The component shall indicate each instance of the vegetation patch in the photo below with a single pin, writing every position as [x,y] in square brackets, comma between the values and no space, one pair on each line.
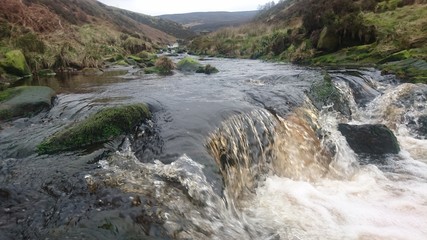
[188,64]
[98,128]
[208,69]
[9,93]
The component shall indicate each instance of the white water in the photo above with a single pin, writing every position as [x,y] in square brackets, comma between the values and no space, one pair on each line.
[353,202]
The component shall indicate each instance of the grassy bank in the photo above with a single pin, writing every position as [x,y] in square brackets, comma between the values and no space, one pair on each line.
[392,38]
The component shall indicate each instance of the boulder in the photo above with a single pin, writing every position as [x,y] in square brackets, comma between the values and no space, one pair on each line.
[422,126]
[14,63]
[324,93]
[25,101]
[101,127]
[370,138]
[208,69]
[188,64]
[328,40]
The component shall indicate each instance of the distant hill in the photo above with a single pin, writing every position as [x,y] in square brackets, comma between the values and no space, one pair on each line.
[73,34]
[168,26]
[211,21]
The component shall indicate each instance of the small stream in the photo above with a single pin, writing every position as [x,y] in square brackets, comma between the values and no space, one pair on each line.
[233,155]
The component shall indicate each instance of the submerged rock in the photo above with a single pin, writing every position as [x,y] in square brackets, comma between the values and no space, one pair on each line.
[370,138]
[98,128]
[25,101]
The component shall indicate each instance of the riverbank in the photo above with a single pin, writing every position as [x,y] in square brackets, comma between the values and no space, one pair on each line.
[393,39]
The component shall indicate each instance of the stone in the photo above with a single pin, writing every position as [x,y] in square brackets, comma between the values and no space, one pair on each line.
[370,138]
[14,63]
[101,127]
[25,101]
[328,40]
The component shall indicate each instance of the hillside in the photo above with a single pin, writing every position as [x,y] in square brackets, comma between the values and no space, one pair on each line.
[73,34]
[390,35]
[211,21]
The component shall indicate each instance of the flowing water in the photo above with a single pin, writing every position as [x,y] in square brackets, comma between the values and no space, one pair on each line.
[242,154]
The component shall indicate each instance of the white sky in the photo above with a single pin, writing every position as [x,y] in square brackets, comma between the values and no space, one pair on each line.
[159,7]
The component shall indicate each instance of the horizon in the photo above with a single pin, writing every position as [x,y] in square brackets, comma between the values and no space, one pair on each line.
[156,8]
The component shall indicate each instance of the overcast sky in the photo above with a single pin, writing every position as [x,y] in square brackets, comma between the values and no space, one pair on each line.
[159,7]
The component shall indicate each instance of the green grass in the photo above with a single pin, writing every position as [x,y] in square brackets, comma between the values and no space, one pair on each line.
[98,128]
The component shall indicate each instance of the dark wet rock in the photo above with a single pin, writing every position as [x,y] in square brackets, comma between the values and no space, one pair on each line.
[422,126]
[14,63]
[370,138]
[25,101]
[324,93]
[362,87]
[101,127]
[208,69]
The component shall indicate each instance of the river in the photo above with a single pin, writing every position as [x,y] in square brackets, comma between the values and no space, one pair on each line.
[231,155]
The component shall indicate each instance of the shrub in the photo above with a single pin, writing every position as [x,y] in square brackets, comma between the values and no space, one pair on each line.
[164,65]
[134,45]
[30,43]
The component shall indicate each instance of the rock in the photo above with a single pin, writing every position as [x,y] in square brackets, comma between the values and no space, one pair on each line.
[422,126]
[208,69]
[101,127]
[188,64]
[324,93]
[328,40]
[14,63]
[370,138]
[25,101]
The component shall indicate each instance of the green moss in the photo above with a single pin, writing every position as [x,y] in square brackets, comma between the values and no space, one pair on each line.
[188,64]
[122,63]
[14,63]
[9,93]
[151,70]
[98,128]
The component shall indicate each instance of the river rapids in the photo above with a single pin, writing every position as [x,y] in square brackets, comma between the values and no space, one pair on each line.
[242,154]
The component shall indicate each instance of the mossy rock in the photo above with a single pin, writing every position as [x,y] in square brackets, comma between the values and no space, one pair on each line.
[101,127]
[188,64]
[324,93]
[122,63]
[208,69]
[328,40]
[14,63]
[151,70]
[402,55]
[135,58]
[25,101]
